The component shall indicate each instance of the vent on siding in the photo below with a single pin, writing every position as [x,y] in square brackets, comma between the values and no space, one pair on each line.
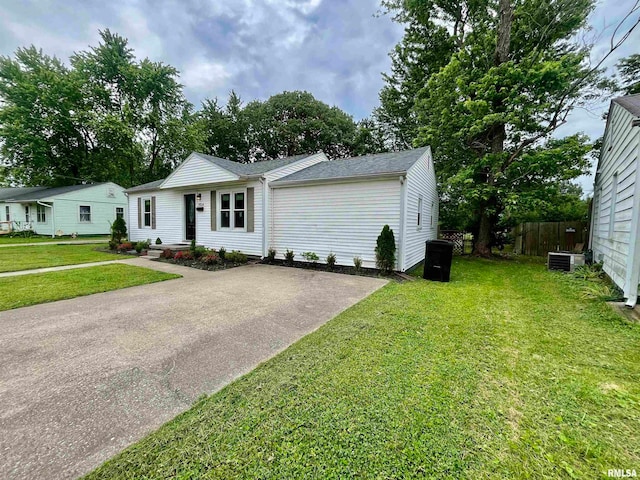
[111,192]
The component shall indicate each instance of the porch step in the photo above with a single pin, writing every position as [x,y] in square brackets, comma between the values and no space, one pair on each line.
[171,246]
[154,253]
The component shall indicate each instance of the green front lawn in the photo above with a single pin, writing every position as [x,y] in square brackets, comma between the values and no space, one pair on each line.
[5,240]
[506,372]
[40,256]
[32,289]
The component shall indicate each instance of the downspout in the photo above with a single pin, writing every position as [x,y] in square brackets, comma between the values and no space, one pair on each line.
[401,234]
[265,217]
[633,273]
[53,218]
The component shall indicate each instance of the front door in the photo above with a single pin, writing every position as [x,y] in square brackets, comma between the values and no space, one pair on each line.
[190,216]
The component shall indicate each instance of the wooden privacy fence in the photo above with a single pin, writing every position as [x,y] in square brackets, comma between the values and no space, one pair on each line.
[539,238]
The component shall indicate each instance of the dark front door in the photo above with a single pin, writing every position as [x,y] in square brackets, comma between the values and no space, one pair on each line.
[190,216]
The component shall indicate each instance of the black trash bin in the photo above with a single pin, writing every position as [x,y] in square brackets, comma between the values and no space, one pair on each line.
[437,260]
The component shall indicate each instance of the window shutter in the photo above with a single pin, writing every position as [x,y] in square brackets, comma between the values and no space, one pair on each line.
[250,209]
[153,213]
[214,212]
[139,212]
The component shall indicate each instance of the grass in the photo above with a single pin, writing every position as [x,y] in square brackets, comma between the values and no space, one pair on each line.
[40,256]
[5,240]
[24,290]
[506,372]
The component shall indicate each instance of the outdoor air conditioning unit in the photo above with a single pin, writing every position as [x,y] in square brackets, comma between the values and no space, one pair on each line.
[564,261]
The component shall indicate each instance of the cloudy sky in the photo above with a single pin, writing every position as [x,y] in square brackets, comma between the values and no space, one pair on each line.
[335,49]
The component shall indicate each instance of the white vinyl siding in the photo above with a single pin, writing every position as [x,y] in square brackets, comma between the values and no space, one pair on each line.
[343,218]
[615,191]
[170,218]
[197,171]
[420,183]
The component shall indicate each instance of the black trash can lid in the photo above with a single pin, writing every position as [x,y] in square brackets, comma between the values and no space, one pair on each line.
[440,242]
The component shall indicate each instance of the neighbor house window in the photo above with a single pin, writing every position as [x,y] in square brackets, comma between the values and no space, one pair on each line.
[7,213]
[27,216]
[232,210]
[147,212]
[419,211]
[614,199]
[119,212]
[41,213]
[433,210]
[85,214]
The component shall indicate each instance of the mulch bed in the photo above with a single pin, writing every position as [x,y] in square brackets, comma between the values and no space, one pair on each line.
[200,265]
[321,267]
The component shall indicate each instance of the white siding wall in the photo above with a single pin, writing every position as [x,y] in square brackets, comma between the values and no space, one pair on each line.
[170,219]
[421,182]
[343,218]
[619,156]
[197,171]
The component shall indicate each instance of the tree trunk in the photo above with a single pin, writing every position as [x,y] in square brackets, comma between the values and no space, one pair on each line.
[497,134]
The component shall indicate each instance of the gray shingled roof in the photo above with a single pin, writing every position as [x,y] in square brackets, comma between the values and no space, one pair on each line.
[145,186]
[630,103]
[40,193]
[367,165]
[255,168]
[8,193]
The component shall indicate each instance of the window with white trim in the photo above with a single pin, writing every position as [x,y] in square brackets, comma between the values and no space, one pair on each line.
[433,211]
[119,212]
[27,214]
[41,214]
[85,214]
[146,212]
[7,213]
[232,210]
[420,211]
[614,200]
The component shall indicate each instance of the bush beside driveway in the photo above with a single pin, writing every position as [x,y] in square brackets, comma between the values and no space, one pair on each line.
[506,372]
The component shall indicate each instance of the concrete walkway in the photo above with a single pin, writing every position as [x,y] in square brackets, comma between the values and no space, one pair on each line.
[56,269]
[81,379]
[53,242]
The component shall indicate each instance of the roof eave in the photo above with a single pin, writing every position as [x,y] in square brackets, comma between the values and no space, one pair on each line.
[346,179]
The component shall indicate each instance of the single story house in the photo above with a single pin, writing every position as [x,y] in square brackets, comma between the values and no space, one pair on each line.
[615,215]
[81,209]
[305,203]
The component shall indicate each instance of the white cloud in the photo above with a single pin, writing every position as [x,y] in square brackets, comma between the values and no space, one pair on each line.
[203,75]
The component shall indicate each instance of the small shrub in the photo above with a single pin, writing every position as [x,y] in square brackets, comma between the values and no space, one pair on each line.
[386,250]
[192,247]
[118,230]
[331,260]
[125,247]
[289,256]
[183,255]
[311,257]
[236,256]
[271,255]
[167,253]
[113,245]
[158,241]
[200,252]
[357,264]
[222,252]
[140,246]
[211,258]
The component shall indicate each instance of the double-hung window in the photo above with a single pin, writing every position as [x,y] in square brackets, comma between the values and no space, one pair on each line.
[419,212]
[119,212]
[233,210]
[146,212]
[7,213]
[41,213]
[85,214]
[27,214]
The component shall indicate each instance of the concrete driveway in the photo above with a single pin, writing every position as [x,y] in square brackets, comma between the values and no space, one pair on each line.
[81,379]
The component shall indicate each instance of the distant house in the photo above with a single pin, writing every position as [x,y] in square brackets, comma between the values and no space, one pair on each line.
[615,222]
[81,209]
[303,203]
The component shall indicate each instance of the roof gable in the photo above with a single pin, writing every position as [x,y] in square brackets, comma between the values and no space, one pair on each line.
[197,170]
[631,103]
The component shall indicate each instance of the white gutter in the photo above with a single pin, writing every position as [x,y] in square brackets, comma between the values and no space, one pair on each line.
[403,204]
[263,181]
[347,179]
[53,218]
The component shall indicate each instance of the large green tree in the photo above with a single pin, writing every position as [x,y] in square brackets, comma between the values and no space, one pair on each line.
[105,116]
[629,68]
[516,72]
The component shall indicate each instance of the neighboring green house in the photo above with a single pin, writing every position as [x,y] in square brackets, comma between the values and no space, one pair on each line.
[76,209]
